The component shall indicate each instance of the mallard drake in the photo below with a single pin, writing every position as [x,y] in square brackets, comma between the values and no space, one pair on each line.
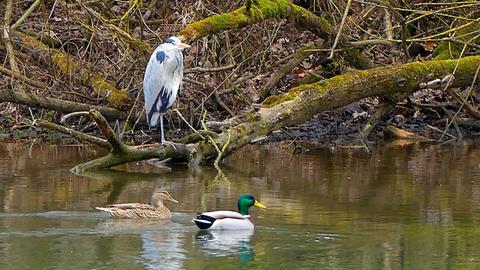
[155,209]
[229,220]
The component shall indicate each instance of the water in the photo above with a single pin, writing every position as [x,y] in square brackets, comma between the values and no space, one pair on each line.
[406,206]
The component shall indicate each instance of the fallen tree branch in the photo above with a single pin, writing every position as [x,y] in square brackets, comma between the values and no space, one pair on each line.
[121,153]
[295,107]
[212,69]
[71,66]
[75,134]
[115,143]
[22,78]
[56,104]
[260,10]
[257,12]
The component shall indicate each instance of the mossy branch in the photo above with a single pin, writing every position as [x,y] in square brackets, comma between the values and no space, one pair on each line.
[257,12]
[76,134]
[72,66]
[300,104]
[56,104]
[117,146]
[261,10]
[121,153]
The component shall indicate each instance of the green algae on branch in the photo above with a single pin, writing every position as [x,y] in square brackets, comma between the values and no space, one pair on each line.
[72,66]
[381,81]
[258,11]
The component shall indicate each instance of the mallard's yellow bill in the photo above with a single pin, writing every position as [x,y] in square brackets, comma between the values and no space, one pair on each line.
[259,204]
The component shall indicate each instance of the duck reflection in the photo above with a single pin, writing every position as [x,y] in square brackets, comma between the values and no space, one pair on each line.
[227,243]
[163,250]
[161,241]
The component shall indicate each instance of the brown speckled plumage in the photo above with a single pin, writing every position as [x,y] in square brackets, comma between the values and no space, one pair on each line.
[155,210]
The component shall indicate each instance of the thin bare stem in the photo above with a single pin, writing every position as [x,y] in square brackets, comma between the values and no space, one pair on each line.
[339,33]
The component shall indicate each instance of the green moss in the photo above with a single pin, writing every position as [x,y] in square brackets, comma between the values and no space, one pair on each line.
[277,99]
[411,74]
[251,116]
[450,50]
[63,61]
[257,12]
[300,12]
[447,50]
[116,98]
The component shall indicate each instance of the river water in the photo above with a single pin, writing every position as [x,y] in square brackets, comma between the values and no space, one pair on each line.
[406,206]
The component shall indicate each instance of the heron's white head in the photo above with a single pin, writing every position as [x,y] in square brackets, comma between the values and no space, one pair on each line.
[177,42]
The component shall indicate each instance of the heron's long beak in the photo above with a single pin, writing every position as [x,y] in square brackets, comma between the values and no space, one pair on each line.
[259,204]
[173,200]
[183,46]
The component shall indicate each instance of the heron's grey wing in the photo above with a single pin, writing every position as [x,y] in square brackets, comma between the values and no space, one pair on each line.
[154,84]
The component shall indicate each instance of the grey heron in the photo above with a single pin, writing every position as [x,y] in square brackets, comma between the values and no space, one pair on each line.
[162,79]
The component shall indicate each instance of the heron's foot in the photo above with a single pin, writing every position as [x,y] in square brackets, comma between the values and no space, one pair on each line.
[172,144]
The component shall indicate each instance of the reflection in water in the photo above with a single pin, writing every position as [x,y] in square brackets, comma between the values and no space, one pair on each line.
[227,243]
[404,206]
[162,250]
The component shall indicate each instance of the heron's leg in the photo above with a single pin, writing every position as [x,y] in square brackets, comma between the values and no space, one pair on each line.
[163,141]
[161,129]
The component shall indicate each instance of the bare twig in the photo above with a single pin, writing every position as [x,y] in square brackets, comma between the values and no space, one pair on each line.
[298,57]
[26,14]
[22,78]
[340,28]
[76,134]
[188,124]
[222,104]
[204,69]
[364,140]
[388,24]
[64,118]
[9,45]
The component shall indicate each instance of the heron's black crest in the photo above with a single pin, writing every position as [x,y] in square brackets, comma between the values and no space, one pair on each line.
[160,56]
[170,40]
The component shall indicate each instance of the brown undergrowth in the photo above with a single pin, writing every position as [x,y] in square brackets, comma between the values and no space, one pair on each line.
[226,72]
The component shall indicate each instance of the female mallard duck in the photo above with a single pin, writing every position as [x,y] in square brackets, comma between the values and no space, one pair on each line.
[229,220]
[155,209]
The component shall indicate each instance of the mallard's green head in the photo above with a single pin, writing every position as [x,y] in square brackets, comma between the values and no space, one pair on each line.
[246,201]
